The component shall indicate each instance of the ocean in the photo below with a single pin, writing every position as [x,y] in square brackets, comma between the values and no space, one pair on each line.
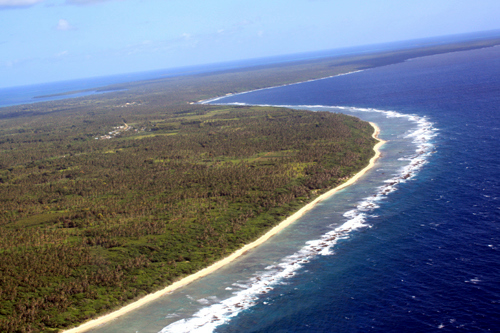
[413,246]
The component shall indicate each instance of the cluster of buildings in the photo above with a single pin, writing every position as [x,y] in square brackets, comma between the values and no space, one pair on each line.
[117,130]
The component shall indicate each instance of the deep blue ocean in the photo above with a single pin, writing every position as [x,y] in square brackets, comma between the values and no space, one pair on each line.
[413,246]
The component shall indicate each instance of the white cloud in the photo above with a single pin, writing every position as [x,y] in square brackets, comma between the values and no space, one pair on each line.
[243,23]
[64,25]
[84,2]
[17,62]
[61,54]
[18,3]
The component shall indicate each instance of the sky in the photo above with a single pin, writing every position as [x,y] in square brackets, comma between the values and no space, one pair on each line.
[53,40]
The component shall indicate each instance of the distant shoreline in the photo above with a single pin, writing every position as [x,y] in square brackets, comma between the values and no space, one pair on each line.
[82,91]
[215,99]
[424,50]
[219,264]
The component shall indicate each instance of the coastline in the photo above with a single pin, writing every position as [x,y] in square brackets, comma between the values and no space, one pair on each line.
[215,99]
[188,279]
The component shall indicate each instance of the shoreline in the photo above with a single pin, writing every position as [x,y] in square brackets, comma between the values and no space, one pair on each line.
[215,266]
[215,99]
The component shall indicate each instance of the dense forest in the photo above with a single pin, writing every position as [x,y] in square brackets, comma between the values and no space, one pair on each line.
[87,224]
[106,198]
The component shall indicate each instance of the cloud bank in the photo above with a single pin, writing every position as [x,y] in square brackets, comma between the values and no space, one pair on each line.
[18,3]
[11,4]
[64,25]
[84,2]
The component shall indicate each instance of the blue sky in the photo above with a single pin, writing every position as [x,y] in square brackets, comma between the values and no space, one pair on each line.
[53,40]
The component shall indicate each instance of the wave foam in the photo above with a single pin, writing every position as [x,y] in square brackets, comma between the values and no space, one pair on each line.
[208,318]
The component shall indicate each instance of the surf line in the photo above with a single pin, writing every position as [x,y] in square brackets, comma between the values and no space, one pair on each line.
[212,268]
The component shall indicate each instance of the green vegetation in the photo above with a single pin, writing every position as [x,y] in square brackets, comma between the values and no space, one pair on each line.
[87,225]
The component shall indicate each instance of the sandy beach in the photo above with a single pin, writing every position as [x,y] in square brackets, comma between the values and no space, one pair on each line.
[132,306]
